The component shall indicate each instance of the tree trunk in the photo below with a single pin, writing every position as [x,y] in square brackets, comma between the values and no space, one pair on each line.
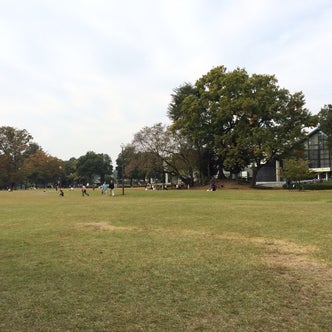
[254,177]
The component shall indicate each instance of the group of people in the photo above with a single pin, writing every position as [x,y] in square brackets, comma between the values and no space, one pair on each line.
[84,190]
[110,186]
[103,187]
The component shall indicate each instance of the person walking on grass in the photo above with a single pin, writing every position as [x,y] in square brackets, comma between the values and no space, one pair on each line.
[111,188]
[84,191]
[104,189]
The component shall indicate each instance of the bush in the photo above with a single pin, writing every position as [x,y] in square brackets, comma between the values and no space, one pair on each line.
[318,186]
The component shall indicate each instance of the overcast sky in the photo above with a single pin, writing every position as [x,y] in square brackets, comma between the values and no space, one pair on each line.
[86,75]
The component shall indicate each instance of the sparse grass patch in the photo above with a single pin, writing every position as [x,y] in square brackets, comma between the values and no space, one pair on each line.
[231,260]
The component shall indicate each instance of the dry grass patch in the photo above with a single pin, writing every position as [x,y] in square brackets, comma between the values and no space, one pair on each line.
[276,252]
[299,260]
[103,226]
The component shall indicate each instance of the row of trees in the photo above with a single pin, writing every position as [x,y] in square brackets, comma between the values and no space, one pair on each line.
[226,121]
[24,163]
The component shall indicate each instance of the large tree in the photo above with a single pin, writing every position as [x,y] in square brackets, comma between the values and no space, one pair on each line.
[273,121]
[153,146]
[137,165]
[167,151]
[42,169]
[13,144]
[93,165]
[241,119]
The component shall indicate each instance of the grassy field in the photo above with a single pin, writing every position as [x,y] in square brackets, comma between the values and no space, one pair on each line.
[191,260]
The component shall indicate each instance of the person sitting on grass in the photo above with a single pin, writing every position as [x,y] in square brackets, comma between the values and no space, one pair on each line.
[213,186]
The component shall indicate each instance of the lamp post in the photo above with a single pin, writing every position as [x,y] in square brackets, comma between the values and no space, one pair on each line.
[122,169]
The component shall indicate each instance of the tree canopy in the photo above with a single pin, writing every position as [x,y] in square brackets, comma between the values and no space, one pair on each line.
[325,123]
[166,151]
[41,168]
[24,163]
[225,121]
[93,165]
[295,170]
[13,144]
[240,119]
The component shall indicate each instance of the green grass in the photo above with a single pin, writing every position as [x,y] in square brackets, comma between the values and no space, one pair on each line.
[191,260]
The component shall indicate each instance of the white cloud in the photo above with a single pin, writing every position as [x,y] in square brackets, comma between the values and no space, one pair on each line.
[87,75]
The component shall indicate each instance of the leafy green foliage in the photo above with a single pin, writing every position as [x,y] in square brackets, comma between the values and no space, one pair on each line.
[23,162]
[318,185]
[13,144]
[240,119]
[94,164]
[41,168]
[325,123]
[160,149]
[295,170]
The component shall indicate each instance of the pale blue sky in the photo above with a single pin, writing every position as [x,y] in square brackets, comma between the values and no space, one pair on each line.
[86,75]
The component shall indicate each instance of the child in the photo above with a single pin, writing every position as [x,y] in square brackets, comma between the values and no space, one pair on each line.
[84,192]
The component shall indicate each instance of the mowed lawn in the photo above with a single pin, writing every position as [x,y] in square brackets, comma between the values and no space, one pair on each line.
[187,260]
